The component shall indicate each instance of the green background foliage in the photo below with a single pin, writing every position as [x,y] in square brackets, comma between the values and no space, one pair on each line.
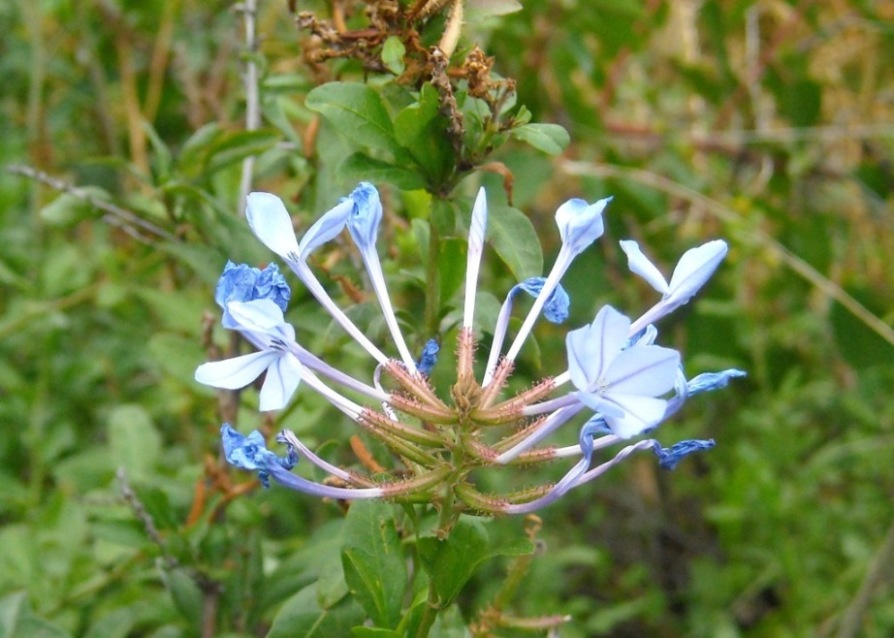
[768,124]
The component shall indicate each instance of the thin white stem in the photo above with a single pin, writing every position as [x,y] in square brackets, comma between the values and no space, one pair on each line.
[552,404]
[499,336]
[377,277]
[599,470]
[559,268]
[385,407]
[344,404]
[553,421]
[321,367]
[287,436]
[300,268]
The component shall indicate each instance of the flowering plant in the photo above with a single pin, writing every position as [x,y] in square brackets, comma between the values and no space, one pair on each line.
[615,373]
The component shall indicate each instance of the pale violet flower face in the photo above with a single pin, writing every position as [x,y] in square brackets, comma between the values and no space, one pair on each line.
[623,385]
[261,321]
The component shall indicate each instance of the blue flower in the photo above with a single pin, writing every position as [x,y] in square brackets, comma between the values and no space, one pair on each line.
[251,453]
[621,383]
[241,282]
[261,321]
[556,307]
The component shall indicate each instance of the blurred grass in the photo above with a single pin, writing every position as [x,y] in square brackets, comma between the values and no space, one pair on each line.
[779,114]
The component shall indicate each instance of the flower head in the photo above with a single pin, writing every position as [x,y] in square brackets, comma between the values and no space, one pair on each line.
[621,383]
[262,322]
[614,366]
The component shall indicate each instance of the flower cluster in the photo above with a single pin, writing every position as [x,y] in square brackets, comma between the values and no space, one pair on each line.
[615,372]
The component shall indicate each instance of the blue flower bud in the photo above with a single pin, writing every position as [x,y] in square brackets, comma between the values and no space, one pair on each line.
[429,357]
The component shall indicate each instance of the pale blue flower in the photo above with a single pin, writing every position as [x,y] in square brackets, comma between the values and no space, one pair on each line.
[365,216]
[272,224]
[251,453]
[692,272]
[263,324]
[623,385]
[580,223]
[241,282]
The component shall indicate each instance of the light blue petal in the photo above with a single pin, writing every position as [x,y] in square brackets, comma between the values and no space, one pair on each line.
[644,370]
[640,265]
[232,374]
[592,349]
[261,315]
[271,223]
[694,269]
[326,228]
[283,377]
[637,413]
[245,452]
[712,381]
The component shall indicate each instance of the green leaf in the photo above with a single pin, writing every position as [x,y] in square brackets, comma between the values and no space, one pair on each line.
[513,237]
[360,166]
[302,617]
[234,147]
[134,442]
[191,160]
[185,593]
[393,52]
[17,621]
[451,562]
[354,110]
[420,129]
[549,138]
[373,561]
[451,266]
